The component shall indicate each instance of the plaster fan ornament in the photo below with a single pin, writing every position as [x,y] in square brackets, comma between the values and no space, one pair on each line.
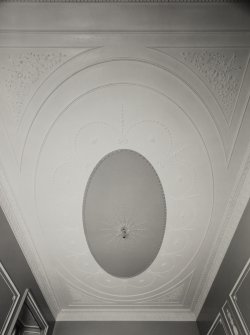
[124,213]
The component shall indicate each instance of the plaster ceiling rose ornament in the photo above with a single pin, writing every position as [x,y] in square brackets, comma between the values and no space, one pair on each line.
[124,213]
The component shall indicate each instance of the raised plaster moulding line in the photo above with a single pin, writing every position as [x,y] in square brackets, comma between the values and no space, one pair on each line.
[22,71]
[229,153]
[172,32]
[236,206]
[125,315]
[130,1]
[68,270]
[138,302]
[177,294]
[149,38]
[26,68]
[184,299]
[221,69]
[238,130]
[78,296]
[15,219]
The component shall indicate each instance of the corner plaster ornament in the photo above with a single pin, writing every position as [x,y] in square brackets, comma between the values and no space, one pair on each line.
[222,71]
[171,297]
[79,298]
[21,71]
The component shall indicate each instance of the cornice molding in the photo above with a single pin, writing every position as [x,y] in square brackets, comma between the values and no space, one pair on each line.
[127,1]
[119,16]
[125,315]
[151,39]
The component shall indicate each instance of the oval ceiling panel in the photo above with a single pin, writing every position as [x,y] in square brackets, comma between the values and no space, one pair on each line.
[124,213]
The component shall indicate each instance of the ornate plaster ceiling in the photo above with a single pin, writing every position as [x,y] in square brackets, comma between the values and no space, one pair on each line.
[185,108]
[129,1]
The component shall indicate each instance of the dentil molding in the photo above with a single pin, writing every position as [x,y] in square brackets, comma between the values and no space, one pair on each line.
[129,1]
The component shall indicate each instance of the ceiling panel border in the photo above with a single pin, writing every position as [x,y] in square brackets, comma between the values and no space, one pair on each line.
[150,39]
[119,16]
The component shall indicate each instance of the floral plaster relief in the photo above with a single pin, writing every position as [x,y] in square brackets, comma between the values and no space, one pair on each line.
[222,70]
[22,71]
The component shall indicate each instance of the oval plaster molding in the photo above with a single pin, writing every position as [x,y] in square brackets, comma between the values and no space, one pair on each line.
[124,213]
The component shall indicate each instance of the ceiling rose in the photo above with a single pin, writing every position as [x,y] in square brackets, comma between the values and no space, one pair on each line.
[124,213]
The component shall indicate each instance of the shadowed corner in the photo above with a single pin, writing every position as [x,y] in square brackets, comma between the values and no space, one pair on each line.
[244,5]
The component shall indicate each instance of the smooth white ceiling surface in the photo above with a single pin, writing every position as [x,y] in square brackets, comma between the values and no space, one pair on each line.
[185,108]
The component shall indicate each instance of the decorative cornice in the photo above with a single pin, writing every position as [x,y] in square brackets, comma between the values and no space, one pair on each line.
[127,1]
[125,315]
[157,39]
[22,71]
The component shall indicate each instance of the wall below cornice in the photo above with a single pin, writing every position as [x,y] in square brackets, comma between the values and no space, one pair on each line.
[125,328]
[234,261]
